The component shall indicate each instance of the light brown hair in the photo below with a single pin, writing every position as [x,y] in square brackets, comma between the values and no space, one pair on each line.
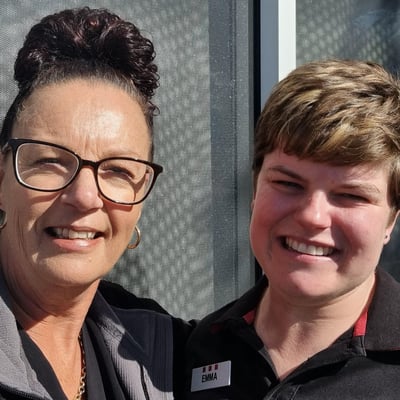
[342,112]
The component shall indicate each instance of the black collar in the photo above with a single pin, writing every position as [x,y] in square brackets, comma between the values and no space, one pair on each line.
[383,323]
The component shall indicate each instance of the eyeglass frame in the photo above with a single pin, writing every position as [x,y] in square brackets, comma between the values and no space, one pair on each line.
[14,143]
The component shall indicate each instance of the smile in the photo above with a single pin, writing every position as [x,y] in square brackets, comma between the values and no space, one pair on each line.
[307,248]
[64,233]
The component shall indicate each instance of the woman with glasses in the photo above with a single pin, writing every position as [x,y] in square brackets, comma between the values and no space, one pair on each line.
[76,166]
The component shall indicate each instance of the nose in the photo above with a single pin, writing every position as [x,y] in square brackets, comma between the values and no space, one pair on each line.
[82,192]
[314,211]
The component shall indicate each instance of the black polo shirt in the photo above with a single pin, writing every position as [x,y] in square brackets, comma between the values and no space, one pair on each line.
[363,363]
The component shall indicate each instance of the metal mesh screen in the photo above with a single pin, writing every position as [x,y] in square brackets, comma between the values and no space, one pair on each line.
[358,29]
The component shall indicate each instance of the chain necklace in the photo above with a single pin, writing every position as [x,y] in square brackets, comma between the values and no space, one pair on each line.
[82,381]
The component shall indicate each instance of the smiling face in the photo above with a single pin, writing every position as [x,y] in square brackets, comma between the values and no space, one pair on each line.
[317,230]
[73,236]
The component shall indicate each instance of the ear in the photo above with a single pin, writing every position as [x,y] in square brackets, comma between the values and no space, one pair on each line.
[390,228]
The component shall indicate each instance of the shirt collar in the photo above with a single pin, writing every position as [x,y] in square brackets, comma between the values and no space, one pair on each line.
[383,324]
[380,323]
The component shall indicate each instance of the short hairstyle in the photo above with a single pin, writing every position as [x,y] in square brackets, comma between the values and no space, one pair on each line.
[92,44]
[342,112]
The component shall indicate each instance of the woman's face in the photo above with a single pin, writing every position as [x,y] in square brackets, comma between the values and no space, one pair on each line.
[96,120]
[317,230]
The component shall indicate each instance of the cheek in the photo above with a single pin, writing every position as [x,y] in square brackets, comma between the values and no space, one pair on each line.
[23,212]
[123,221]
[19,238]
[22,206]
[255,238]
[266,210]
[364,232]
[260,227]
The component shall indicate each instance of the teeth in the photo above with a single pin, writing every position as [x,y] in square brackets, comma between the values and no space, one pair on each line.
[308,249]
[65,233]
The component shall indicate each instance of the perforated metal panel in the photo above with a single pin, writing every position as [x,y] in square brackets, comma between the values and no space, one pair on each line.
[358,29]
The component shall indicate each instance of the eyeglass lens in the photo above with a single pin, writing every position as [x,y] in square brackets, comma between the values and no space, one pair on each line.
[50,168]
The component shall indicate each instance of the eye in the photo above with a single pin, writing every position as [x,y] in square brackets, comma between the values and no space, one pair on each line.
[353,197]
[118,172]
[120,169]
[45,164]
[287,184]
[41,161]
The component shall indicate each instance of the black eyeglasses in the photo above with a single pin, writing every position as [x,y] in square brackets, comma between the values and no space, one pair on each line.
[48,167]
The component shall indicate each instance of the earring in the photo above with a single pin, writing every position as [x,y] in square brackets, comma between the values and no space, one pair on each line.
[137,241]
[3,219]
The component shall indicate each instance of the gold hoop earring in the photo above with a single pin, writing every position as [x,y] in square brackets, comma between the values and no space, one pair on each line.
[137,241]
[3,219]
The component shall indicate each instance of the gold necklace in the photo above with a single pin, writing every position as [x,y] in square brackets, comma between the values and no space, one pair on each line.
[82,380]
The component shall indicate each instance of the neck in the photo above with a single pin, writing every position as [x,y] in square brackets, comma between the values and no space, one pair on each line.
[55,326]
[52,308]
[63,350]
[292,333]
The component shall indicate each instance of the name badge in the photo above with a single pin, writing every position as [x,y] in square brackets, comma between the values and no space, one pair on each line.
[211,376]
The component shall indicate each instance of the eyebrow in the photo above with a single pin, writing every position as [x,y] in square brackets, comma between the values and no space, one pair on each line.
[282,169]
[365,187]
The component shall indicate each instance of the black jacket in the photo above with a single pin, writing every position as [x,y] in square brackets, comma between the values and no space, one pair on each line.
[354,367]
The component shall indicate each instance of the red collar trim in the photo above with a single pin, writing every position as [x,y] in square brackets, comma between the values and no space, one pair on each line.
[360,327]
[250,317]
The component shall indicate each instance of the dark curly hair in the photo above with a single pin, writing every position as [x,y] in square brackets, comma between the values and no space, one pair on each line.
[85,43]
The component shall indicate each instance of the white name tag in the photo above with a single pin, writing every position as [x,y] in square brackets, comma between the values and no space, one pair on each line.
[211,376]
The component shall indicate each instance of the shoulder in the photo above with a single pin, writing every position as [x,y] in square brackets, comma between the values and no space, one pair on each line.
[128,304]
[117,296]
[218,333]
[386,296]
[223,338]
[234,310]
[154,328]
